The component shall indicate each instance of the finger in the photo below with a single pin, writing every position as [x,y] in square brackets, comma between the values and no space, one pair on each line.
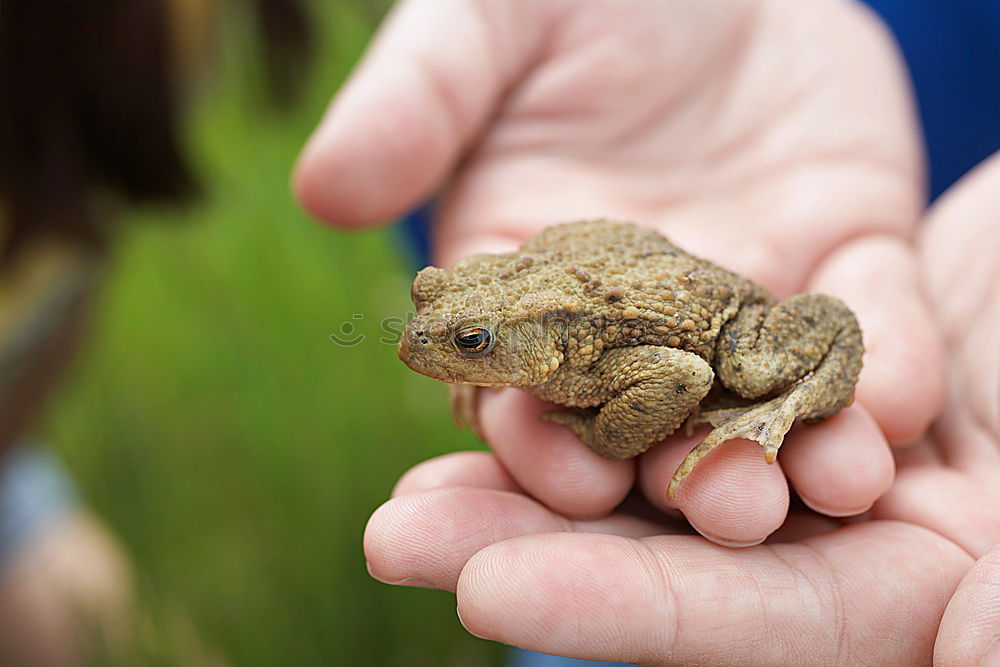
[733,497]
[841,466]
[478,469]
[970,629]
[421,93]
[679,600]
[959,248]
[902,382]
[424,539]
[549,461]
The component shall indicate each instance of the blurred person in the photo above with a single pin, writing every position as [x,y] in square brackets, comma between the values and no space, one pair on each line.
[778,139]
[89,125]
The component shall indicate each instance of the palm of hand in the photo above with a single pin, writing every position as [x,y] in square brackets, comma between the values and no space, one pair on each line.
[760,135]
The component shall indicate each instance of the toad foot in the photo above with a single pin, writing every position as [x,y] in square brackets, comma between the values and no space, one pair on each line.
[765,424]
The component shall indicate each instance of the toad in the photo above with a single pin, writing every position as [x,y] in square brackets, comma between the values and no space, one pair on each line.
[636,338]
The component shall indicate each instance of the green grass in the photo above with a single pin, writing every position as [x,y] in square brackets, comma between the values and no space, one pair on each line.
[234,449]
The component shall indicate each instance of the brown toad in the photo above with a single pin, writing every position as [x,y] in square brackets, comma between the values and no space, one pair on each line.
[637,336]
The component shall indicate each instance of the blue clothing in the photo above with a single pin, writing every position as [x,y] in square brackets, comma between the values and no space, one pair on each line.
[952,49]
[521,658]
[34,491]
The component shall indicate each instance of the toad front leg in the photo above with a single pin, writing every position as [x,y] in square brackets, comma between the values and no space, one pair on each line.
[644,393]
[806,352]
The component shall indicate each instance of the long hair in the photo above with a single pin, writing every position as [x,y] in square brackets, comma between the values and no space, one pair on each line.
[89,107]
[87,102]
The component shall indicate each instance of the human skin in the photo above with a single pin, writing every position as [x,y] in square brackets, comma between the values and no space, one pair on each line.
[772,138]
[950,481]
[819,591]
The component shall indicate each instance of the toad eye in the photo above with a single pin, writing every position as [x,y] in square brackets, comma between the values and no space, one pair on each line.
[474,340]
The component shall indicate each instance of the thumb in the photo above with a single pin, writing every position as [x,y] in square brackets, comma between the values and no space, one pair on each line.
[970,630]
[423,91]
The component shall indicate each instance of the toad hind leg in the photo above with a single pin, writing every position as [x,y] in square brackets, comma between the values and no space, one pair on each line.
[822,393]
[644,392]
[766,347]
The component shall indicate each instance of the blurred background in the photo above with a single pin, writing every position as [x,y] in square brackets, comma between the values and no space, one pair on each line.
[232,448]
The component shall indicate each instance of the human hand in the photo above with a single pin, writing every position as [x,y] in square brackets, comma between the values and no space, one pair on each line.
[954,474]
[773,137]
[819,591]
[970,630]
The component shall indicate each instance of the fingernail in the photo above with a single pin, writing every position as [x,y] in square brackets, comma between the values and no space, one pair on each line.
[835,514]
[733,544]
[992,656]
[458,612]
[412,582]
